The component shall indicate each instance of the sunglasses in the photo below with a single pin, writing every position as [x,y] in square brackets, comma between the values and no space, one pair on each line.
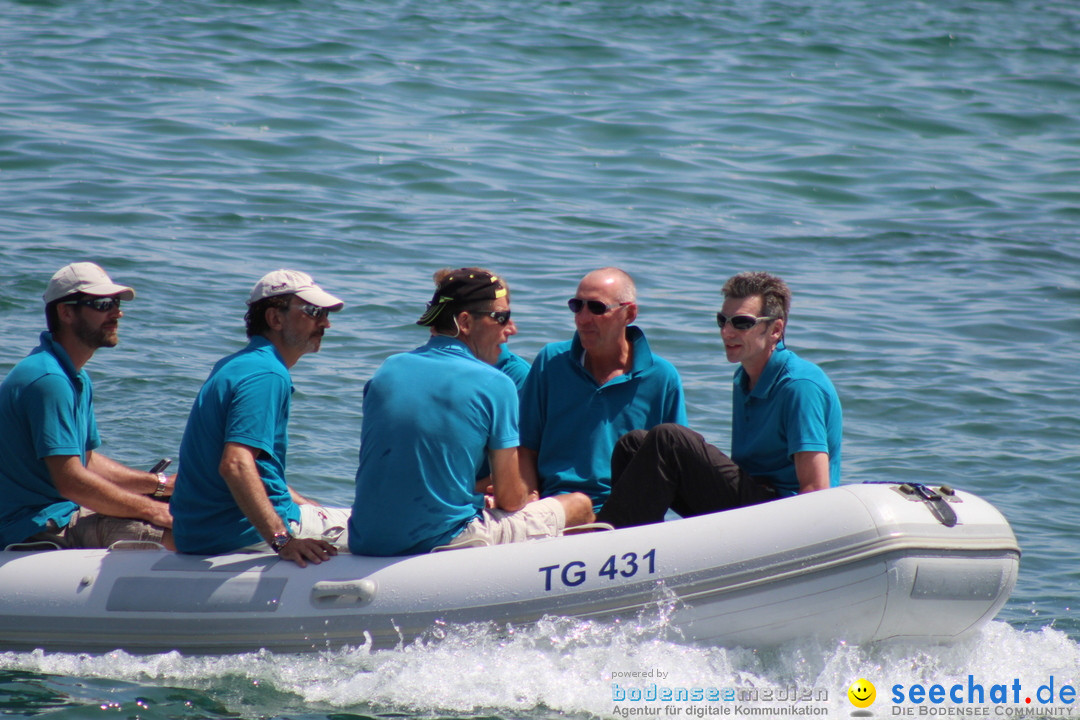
[313,311]
[595,306]
[740,322]
[101,304]
[500,316]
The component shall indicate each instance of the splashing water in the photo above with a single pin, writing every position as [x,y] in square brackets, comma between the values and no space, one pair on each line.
[560,666]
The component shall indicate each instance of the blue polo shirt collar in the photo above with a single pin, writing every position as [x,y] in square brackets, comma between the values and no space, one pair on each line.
[643,357]
[445,343]
[777,361]
[57,351]
[258,342]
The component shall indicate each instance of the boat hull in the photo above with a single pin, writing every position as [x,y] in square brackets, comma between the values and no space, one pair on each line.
[859,563]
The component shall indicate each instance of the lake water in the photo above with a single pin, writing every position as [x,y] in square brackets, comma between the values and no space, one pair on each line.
[912,169]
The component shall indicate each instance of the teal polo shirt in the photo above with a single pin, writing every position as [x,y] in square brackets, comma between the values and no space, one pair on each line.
[573,423]
[245,400]
[513,366]
[516,368]
[46,409]
[430,416]
[792,408]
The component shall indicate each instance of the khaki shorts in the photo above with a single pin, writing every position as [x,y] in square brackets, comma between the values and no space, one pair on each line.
[88,529]
[321,523]
[324,523]
[539,519]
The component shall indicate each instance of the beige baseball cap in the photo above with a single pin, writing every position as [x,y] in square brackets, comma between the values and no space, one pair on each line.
[293,282]
[87,278]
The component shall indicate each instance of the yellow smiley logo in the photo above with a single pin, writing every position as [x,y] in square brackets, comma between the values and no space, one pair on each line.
[861,693]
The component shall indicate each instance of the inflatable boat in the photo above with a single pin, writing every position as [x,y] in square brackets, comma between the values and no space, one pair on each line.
[858,562]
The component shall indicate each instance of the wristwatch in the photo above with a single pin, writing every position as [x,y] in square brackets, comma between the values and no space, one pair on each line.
[162,483]
[279,541]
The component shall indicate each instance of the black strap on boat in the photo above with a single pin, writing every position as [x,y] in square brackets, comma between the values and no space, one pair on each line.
[938,505]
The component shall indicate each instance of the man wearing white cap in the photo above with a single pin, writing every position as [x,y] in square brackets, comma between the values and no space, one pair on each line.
[54,485]
[231,492]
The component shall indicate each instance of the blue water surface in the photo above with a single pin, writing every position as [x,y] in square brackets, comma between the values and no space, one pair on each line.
[912,169]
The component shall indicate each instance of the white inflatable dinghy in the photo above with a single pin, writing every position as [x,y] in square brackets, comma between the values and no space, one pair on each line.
[858,562]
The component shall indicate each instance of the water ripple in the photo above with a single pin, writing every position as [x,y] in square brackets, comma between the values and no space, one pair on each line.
[910,168]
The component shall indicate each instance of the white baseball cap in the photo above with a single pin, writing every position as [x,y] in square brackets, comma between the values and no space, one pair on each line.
[87,278]
[293,282]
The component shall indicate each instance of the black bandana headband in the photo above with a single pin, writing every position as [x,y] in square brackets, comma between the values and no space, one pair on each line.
[459,288]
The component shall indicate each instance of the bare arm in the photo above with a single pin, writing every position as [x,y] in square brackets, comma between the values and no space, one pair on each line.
[511,491]
[300,499]
[242,476]
[137,481]
[527,462]
[812,470]
[89,489]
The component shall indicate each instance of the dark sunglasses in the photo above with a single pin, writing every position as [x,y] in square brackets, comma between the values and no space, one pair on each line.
[101,304]
[741,322]
[595,306]
[313,311]
[500,316]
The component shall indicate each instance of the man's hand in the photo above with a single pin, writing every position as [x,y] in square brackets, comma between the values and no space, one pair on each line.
[304,550]
[159,514]
[486,487]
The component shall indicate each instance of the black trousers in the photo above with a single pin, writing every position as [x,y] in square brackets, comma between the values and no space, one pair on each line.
[672,466]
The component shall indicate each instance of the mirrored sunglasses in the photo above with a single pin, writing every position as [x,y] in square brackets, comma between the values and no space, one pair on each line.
[741,322]
[313,311]
[101,304]
[500,316]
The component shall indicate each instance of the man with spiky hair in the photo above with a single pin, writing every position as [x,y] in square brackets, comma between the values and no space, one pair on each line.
[785,434]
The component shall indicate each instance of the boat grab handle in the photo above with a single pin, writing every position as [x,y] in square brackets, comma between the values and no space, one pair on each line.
[359,590]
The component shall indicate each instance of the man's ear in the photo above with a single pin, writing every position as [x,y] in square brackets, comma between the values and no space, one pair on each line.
[65,313]
[631,313]
[464,322]
[275,317]
[777,331]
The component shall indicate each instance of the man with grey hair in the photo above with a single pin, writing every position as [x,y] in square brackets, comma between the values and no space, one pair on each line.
[584,393]
[54,485]
[785,430]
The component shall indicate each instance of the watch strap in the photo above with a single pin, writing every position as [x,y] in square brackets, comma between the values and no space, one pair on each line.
[279,541]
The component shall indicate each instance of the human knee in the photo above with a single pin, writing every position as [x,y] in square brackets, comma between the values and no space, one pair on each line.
[578,508]
[630,442]
[669,431]
[672,436]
